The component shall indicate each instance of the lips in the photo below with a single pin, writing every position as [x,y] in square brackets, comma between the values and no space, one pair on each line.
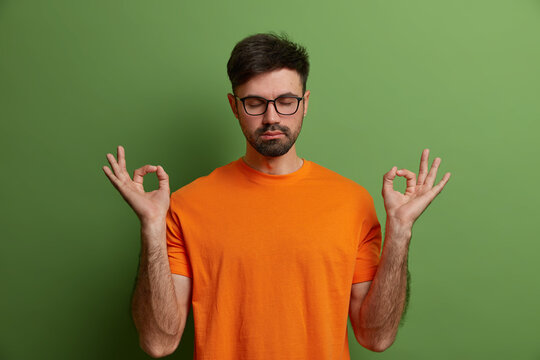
[272,133]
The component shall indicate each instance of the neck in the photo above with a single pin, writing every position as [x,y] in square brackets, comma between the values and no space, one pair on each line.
[278,165]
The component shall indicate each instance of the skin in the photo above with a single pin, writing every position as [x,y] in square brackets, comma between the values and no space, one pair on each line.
[376,306]
[271,85]
[161,300]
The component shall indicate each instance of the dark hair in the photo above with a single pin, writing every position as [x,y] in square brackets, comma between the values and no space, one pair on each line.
[260,53]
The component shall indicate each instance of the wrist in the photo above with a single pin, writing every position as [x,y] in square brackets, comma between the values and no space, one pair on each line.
[397,229]
[152,221]
[153,227]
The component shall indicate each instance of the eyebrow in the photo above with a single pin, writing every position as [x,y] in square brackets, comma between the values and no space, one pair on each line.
[284,94]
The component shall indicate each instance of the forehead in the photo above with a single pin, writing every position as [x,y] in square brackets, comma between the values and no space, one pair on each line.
[272,84]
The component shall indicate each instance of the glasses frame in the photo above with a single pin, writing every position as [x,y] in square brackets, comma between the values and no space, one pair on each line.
[270,101]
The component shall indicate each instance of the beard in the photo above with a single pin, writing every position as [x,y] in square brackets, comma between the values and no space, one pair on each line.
[273,147]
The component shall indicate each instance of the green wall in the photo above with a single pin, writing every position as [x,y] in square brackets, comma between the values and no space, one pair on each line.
[388,78]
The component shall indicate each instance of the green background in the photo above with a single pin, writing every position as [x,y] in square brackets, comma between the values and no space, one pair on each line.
[388,78]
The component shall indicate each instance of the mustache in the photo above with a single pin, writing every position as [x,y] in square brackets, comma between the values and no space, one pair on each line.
[285,130]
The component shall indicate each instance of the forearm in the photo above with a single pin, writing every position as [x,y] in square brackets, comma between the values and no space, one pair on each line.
[154,306]
[381,310]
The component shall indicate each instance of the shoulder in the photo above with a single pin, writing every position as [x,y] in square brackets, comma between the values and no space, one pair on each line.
[344,192]
[205,184]
[340,183]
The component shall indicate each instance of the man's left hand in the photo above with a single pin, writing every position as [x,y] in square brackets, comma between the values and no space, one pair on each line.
[404,209]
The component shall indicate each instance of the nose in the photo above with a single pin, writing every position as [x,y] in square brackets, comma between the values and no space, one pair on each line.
[271,116]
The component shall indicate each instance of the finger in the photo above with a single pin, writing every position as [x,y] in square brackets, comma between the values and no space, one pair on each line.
[430,179]
[121,157]
[422,173]
[438,188]
[163,178]
[411,179]
[120,173]
[388,180]
[113,179]
[114,164]
[139,173]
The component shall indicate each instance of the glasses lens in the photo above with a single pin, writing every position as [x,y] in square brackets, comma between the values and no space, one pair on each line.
[255,105]
[287,105]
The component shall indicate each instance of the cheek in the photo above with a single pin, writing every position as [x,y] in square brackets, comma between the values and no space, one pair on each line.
[247,126]
[297,122]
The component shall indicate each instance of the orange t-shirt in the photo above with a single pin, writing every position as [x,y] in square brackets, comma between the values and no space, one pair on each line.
[272,258]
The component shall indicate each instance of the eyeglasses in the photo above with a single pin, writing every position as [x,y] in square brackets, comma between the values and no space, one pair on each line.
[284,105]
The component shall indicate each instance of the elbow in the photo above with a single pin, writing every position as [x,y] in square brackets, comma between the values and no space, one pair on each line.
[156,350]
[379,346]
[376,345]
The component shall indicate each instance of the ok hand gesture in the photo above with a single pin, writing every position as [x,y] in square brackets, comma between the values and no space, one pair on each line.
[149,206]
[406,208]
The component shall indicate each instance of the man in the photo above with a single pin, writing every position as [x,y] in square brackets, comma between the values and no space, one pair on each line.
[273,250]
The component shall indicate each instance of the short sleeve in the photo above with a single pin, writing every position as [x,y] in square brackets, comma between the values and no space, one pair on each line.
[369,246]
[176,249]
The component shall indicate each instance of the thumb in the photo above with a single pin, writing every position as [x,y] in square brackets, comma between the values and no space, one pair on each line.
[388,181]
[163,178]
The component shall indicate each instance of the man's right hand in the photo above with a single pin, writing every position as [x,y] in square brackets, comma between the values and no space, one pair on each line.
[151,206]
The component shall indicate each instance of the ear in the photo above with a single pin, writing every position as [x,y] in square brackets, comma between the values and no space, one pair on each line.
[232,102]
[306,101]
